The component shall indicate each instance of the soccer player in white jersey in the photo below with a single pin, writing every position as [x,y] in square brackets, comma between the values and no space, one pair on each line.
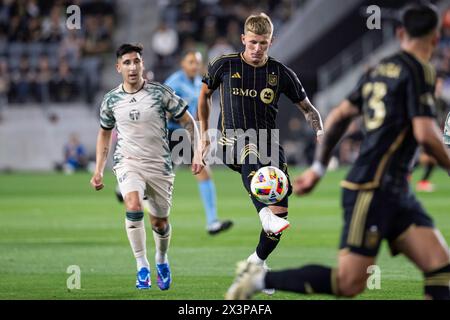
[142,161]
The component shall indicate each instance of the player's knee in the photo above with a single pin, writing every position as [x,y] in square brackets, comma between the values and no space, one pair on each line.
[134,206]
[350,284]
[159,225]
[133,203]
[436,259]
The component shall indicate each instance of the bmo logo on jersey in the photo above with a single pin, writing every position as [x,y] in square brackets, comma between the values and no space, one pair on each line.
[267,95]
[134,115]
[244,92]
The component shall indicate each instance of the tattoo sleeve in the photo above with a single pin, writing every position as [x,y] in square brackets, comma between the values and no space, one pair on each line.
[311,114]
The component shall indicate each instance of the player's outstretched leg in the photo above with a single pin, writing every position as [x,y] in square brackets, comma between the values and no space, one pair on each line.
[273,223]
[348,280]
[162,232]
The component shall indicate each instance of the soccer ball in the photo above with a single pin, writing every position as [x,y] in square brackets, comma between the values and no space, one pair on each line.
[269,185]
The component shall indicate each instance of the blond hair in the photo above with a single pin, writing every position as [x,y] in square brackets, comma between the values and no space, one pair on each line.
[259,24]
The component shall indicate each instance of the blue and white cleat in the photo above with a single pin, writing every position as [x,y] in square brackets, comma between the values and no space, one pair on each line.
[164,278]
[143,280]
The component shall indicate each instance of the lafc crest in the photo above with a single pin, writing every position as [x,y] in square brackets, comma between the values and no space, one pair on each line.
[273,79]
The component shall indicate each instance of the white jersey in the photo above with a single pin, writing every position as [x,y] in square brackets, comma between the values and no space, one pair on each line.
[141,123]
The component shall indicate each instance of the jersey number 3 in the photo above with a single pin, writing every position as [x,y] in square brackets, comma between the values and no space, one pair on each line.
[373,94]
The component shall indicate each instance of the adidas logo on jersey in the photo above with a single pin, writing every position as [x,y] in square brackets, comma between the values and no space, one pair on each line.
[236,76]
[133,100]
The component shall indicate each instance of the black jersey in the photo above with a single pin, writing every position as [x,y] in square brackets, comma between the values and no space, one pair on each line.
[249,95]
[398,89]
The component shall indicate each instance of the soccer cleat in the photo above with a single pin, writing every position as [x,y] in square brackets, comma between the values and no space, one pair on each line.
[143,280]
[164,278]
[253,258]
[245,284]
[425,186]
[219,226]
[271,223]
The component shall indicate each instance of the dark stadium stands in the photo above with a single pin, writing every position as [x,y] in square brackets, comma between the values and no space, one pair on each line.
[41,60]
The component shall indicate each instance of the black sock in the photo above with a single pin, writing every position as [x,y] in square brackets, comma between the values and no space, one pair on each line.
[427,173]
[308,279]
[268,243]
[437,284]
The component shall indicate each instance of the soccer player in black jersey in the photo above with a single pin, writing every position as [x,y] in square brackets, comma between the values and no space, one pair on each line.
[396,101]
[250,85]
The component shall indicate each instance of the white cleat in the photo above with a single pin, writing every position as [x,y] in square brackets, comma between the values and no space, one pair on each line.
[245,284]
[254,259]
[271,223]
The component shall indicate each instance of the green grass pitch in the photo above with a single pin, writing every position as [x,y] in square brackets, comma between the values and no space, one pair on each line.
[51,221]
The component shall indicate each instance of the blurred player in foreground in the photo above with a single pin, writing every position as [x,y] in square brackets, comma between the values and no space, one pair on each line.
[428,162]
[142,162]
[396,100]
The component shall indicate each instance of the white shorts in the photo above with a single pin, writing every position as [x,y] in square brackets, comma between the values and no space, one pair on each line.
[156,186]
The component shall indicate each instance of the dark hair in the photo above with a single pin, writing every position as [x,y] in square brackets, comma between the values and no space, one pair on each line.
[420,19]
[127,48]
[187,52]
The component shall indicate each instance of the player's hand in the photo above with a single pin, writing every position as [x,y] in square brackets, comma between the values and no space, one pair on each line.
[97,181]
[306,182]
[197,163]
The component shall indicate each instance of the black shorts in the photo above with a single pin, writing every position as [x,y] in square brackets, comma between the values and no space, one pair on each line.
[231,157]
[373,215]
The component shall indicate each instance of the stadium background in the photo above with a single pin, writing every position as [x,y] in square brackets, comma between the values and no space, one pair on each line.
[52,80]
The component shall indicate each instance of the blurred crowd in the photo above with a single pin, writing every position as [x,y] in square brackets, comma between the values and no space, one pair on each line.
[212,27]
[43,60]
[441,57]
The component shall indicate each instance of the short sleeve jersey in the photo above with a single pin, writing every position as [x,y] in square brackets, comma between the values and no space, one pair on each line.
[389,96]
[249,95]
[141,122]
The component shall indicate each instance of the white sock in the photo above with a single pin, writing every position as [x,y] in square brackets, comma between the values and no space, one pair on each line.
[258,281]
[253,258]
[142,262]
[162,245]
[137,237]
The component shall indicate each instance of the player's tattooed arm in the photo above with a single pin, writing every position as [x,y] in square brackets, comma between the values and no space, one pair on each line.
[103,143]
[105,152]
[312,115]
[102,149]
[335,127]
